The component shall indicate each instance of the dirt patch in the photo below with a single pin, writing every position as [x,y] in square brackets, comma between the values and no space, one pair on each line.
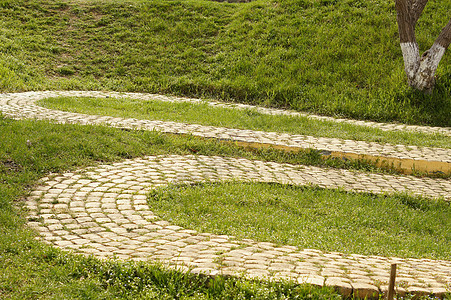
[9,166]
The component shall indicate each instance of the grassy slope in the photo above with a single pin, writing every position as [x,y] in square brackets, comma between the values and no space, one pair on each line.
[330,57]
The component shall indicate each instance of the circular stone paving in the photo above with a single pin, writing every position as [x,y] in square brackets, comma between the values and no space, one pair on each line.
[103,211]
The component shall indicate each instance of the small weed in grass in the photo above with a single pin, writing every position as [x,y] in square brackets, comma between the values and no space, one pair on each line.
[310,217]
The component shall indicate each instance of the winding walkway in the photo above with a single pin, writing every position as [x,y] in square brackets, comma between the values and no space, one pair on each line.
[103,211]
[405,158]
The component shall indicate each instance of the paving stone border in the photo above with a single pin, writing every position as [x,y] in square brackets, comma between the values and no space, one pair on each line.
[103,211]
[405,158]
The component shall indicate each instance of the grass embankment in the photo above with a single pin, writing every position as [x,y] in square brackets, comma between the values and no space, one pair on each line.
[309,217]
[33,270]
[205,114]
[329,57]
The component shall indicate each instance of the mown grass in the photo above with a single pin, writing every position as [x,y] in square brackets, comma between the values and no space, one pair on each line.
[33,270]
[338,58]
[309,217]
[233,118]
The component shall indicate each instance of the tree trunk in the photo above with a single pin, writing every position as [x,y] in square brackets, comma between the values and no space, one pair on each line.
[420,71]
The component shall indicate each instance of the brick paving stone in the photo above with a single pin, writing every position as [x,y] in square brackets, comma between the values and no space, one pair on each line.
[311,279]
[340,284]
[364,290]
[440,292]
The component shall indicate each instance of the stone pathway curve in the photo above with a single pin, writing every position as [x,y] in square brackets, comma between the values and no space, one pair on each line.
[264,110]
[103,211]
[406,158]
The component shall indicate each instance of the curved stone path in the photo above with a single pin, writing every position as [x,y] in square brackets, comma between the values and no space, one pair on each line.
[405,158]
[103,211]
[264,110]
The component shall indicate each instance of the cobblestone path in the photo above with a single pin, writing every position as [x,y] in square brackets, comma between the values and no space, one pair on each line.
[423,159]
[103,211]
[271,111]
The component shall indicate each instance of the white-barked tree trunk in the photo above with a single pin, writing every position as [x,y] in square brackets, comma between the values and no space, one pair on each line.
[420,70]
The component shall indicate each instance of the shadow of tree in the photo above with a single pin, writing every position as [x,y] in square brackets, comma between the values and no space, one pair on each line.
[436,106]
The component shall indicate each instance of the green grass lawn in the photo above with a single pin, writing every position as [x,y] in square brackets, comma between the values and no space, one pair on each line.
[339,58]
[233,118]
[309,217]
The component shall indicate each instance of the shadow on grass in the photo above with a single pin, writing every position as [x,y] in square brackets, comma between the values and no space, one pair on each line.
[436,106]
